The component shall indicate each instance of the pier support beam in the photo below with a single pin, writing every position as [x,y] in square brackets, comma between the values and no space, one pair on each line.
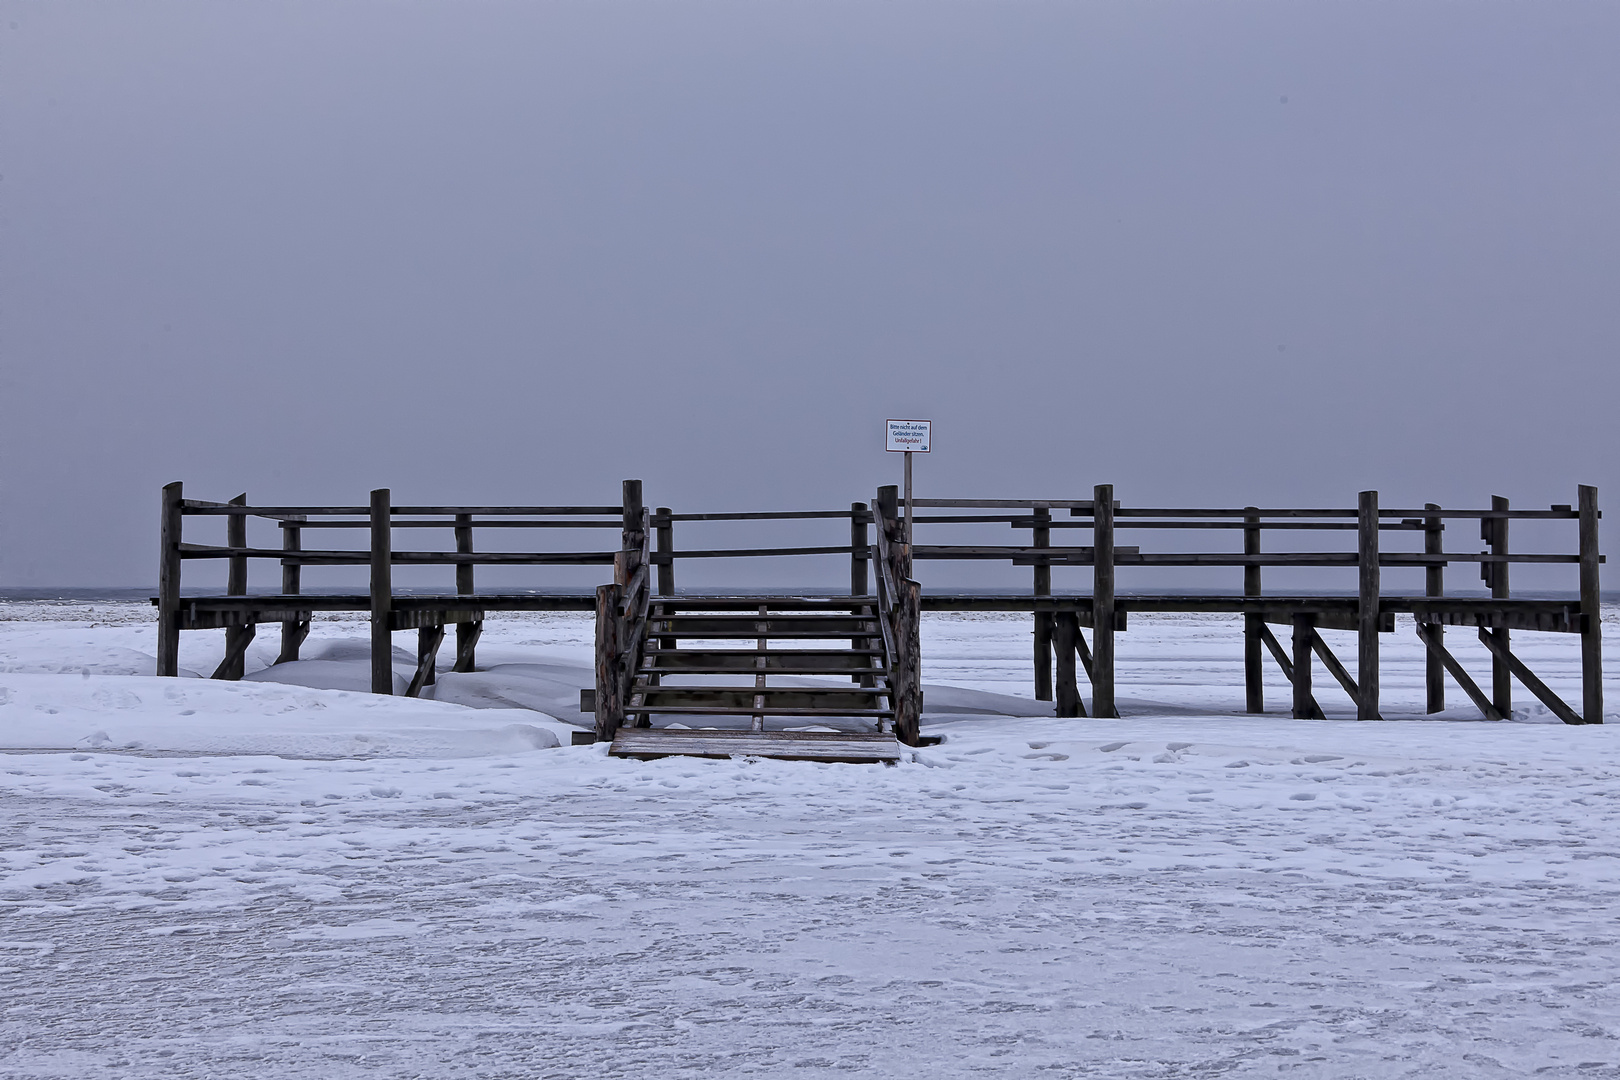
[382,591]
[1367,611]
[1102,604]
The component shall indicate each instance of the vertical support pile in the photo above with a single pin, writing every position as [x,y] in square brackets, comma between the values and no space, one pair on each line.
[1367,613]
[1043,620]
[1305,707]
[616,633]
[382,591]
[1434,585]
[905,615]
[666,549]
[1102,604]
[1591,629]
[1495,532]
[292,583]
[859,579]
[239,636]
[170,525]
[467,633]
[1254,689]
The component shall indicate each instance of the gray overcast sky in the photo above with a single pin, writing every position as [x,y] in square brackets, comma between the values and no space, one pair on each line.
[1209,252]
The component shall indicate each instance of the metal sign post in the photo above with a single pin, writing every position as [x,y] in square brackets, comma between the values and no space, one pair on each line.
[908,437]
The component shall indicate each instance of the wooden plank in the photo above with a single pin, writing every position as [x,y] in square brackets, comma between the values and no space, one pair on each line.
[1515,666]
[1367,607]
[1495,531]
[170,524]
[765,515]
[1437,648]
[1592,632]
[201,509]
[382,593]
[467,519]
[1006,504]
[666,557]
[1254,690]
[853,747]
[293,631]
[1102,605]
[1434,585]
[339,557]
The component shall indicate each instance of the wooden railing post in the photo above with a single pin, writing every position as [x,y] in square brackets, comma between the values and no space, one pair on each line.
[170,525]
[1592,628]
[1254,689]
[1434,584]
[236,574]
[382,591]
[1042,538]
[666,548]
[1102,604]
[609,649]
[858,550]
[634,536]
[1368,616]
[859,583]
[292,583]
[1496,576]
[908,662]
[467,633]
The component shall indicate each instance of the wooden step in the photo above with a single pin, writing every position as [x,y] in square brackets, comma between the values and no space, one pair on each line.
[776,661]
[829,626]
[749,710]
[856,748]
[741,698]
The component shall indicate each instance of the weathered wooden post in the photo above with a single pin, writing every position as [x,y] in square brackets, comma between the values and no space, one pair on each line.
[292,582]
[1304,699]
[859,582]
[382,591]
[1254,689]
[609,648]
[467,633]
[1065,632]
[633,535]
[1102,604]
[908,666]
[1592,628]
[170,524]
[1434,584]
[237,636]
[859,555]
[1495,532]
[1367,612]
[665,528]
[1043,620]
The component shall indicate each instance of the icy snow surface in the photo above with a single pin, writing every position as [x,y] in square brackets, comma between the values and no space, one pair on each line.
[205,879]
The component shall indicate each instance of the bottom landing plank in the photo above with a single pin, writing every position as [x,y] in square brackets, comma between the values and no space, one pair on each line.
[856,748]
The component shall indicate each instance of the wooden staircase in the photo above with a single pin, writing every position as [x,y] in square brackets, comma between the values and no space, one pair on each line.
[831,678]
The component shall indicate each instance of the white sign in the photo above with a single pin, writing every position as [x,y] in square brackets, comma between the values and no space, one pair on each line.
[908,436]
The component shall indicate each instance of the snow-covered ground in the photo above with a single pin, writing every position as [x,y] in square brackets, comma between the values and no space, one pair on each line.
[301,880]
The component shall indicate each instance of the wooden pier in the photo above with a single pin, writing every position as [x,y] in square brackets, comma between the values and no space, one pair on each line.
[652,641]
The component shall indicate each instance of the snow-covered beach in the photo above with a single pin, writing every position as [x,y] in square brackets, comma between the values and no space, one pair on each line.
[295,878]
